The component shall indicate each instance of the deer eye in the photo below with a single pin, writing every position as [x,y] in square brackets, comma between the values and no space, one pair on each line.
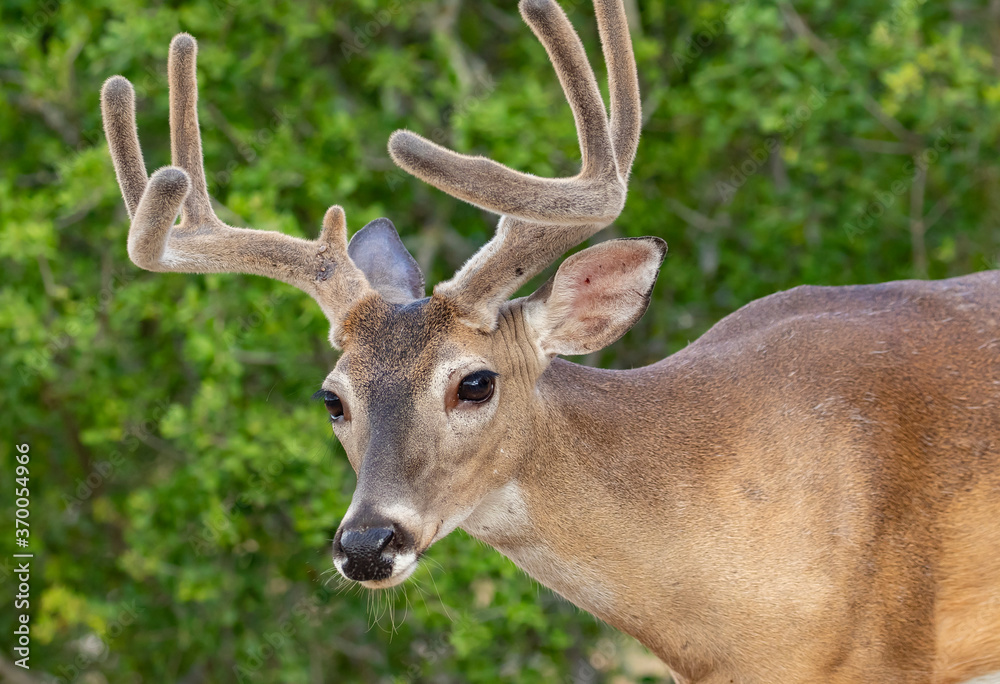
[477,387]
[333,404]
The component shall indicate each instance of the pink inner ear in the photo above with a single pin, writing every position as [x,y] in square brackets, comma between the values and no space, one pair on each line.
[595,286]
[596,295]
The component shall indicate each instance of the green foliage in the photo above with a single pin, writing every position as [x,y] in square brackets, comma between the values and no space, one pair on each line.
[184,489]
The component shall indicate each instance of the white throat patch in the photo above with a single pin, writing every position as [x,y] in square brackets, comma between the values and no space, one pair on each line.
[502,514]
[503,520]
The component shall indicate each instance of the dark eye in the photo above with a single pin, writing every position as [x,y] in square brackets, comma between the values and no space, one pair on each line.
[477,387]
[333,404]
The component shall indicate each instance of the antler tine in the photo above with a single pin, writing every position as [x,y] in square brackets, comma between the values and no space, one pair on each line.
[596,193]
[118,112]
[185,135]
[623,82]
[201,242]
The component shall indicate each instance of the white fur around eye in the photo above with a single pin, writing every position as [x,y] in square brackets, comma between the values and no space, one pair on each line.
[346,431]
[338,383]
[463,418]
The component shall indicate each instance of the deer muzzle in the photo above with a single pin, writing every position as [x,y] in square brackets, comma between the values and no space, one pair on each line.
[376,551]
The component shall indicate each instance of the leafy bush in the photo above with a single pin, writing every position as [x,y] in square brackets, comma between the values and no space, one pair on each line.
[184,489]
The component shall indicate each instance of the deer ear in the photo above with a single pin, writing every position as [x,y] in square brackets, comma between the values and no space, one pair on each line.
[377,250]
[595,296]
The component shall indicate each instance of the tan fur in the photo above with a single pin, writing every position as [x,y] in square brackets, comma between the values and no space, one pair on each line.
[967,610]
[808,493]
[792,470]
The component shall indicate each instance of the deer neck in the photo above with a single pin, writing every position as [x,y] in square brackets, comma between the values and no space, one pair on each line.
[569,516]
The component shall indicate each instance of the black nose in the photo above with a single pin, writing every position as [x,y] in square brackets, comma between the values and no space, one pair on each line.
[362,551]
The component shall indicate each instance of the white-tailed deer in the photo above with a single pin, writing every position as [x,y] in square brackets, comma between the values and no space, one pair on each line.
[808,493]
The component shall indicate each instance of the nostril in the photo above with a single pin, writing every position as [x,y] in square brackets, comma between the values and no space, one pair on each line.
[370,542]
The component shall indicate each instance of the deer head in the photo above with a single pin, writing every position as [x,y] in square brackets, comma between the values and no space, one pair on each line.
[434,398]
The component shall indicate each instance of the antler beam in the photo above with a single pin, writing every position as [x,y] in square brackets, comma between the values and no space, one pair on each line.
[541,217]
